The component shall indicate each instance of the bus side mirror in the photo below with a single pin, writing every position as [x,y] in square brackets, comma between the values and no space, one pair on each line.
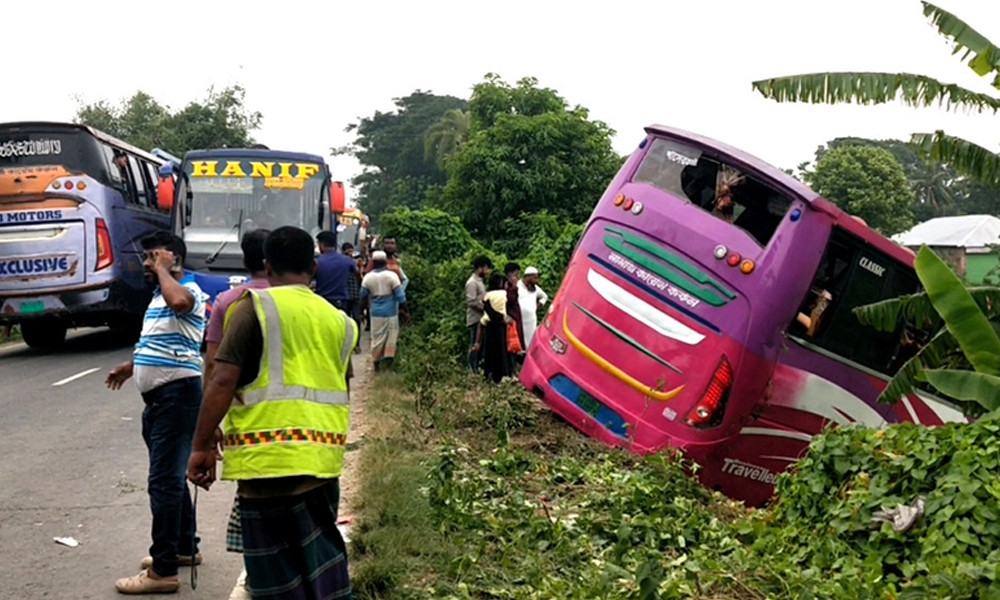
[338,198]
[165,194]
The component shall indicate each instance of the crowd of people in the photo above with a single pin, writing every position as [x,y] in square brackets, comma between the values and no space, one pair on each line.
[274,403]
[501,316]
[271,394]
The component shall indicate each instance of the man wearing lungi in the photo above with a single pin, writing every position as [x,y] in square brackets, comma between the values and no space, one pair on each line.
[384,290]
[280,389]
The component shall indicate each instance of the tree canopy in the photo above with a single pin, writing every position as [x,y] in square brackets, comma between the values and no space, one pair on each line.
[527,152]
[939,190]
[916,91]
[868,182]
[221,120]
[391,149]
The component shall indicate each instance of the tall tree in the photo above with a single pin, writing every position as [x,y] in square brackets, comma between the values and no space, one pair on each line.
[913,90]
[867,182]
[445,137]
[390,148]
[221,120]
[527,152]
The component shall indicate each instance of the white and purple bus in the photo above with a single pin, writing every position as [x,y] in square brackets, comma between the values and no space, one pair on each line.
[709,307]
[74,204]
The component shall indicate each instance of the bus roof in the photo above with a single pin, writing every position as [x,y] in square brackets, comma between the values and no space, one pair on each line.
[254,153]
[838,216]
[104,137]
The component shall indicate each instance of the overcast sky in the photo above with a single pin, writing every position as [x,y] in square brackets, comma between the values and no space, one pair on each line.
[312,68]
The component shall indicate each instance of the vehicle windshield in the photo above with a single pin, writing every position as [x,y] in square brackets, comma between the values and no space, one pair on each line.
[717,188]
[261,202]
[72,149]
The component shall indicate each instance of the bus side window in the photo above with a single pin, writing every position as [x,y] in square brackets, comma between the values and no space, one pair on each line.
[120,175]
[851,275]
[153,178]
[139,176]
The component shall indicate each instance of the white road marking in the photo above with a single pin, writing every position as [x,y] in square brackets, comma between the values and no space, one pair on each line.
[75,377]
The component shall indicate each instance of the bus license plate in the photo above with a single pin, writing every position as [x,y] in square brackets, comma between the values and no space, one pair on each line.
[33,307]
[588,404]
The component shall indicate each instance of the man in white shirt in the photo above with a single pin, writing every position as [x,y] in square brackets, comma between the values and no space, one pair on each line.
[531,297]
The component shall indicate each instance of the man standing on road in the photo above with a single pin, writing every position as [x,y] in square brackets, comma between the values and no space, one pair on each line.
[166,363]
[391,249]
[333,271]
[475,291]
[353,287]
[252,245]
[387,301]
[280,384]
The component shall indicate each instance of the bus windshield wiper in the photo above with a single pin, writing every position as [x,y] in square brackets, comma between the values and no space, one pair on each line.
[238,228]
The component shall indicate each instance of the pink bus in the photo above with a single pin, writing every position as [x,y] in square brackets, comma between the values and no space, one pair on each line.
[708,307]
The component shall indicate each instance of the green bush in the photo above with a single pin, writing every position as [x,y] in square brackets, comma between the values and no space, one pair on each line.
[432,234]
[823,515]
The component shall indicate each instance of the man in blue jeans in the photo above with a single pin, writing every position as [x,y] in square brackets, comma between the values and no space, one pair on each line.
[166,364]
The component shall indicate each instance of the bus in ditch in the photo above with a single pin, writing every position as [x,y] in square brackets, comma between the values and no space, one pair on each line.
[215,196]
[708,308]
[74,204]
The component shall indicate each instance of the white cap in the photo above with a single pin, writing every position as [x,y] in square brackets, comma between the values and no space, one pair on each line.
[379,255]
[531,271]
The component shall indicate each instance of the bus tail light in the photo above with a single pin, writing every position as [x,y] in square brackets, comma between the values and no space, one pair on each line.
[714,399]
[104,254]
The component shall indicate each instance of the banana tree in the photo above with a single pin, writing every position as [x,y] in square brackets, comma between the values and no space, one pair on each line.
[962,358]
[916,91]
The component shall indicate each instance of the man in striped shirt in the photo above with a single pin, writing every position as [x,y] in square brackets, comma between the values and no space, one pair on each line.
[167,364]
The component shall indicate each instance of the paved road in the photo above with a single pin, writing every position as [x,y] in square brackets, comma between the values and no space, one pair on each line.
[74,465]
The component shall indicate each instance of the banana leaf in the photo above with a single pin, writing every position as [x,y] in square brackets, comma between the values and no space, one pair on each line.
[985,56]
[971,386]
[917,310]
[932,356]
[962,316]
[964,156]
[859,87]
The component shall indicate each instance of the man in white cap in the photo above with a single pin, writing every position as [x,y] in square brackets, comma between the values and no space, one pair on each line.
[383,290]
[530,297]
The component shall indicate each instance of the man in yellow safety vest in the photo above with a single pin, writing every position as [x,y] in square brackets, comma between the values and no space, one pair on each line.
[280,389]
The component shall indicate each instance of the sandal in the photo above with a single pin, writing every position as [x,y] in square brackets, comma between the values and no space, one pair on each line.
[144,584]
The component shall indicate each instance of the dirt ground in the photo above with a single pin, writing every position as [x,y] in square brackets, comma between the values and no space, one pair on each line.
[360,386]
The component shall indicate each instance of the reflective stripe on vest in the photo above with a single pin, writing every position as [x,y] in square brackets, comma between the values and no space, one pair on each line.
[295,416]
[276,388]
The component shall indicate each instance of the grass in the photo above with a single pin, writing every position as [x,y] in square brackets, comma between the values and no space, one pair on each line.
[482,492]
[395,537]
[473,490]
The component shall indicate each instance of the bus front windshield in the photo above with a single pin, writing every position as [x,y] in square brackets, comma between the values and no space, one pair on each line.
[251,203]
[714,186]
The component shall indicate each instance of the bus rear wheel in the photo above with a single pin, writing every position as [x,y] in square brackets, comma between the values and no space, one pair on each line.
[43,334]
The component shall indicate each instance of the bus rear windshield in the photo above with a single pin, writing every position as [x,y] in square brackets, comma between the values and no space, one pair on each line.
[75,150]
[714,186]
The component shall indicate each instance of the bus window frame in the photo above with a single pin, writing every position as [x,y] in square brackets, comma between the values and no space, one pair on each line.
[141,179]
[743,213]
[828,337]
[153,176]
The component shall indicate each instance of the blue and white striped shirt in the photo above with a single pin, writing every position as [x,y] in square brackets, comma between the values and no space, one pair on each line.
[169,347]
